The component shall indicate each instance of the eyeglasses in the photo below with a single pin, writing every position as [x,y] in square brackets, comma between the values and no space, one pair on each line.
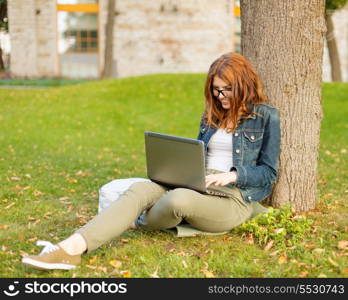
[225,92]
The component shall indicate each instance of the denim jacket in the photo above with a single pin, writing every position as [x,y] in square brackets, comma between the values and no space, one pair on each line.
[256,147]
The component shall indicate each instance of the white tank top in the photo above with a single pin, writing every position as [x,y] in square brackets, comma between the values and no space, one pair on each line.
[219,156]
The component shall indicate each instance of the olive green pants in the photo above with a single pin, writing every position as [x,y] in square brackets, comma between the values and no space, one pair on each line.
[166,208]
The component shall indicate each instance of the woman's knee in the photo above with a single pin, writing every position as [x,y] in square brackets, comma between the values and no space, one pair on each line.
[142,187]
[178,199]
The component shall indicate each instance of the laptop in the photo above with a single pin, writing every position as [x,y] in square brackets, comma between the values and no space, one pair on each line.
[176,162]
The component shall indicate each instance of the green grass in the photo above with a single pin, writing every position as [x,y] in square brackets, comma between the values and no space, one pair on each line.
[58,146]
[41,82]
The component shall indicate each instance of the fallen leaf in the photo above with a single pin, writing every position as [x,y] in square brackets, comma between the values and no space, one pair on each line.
[310,245]
[124,241]
[184,263]
[319,250]
[274,253]
[303,274]
[126,274]
[343,245]
[282,259]
[345,271]
[278,230]
[37,221]
[82,173]
[115,263]
[72,180]
[103,269]
[37,193]
[91,267]
[181,253]
[92,260]
[269,245]
[250,239]
[321,275]
[4,226]
[154,274]
[10,205]
[15,178]
[207,273]
[331,261]
[31,240]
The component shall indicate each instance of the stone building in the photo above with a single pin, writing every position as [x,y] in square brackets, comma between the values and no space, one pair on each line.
[66,38]
[53,38]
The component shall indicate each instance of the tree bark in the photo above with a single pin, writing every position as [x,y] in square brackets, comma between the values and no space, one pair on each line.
[332,49]
[2,65]
[284,41]
[109,67]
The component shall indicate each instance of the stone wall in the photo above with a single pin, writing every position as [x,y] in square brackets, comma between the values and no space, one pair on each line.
[46,28]
[32,28]
[164,36]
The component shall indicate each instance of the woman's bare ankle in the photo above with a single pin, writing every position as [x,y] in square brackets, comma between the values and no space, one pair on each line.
[74,244]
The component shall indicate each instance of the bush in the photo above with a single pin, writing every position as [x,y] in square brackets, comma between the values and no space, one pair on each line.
[282,226]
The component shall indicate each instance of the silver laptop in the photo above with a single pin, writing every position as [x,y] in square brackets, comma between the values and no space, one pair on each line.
[176,162]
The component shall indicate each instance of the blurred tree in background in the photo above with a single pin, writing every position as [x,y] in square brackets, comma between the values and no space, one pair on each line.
[3,26]
[330,7]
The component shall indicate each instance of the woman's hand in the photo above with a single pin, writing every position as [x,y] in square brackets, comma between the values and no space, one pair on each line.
[221,178]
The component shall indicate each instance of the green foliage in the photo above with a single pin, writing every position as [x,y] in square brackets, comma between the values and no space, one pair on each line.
[334,4]
[282,226]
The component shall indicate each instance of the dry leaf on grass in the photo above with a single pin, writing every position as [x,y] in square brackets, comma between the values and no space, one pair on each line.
[92,260]
[250,239]
[208,273]
[274,253]
[154,274]
[319,250]
[343,245]
[126,274]
[15,178]
[303,274]
[282,259]
[115,263]
[269,245]
[184,263]
[10,205]
[331,261]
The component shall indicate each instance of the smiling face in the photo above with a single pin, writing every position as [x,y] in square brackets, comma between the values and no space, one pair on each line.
[222,91]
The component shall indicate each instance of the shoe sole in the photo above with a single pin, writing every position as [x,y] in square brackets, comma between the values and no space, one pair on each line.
[46,266]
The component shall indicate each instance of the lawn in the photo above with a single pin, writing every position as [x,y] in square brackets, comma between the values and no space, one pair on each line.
[41,82]
[59,145]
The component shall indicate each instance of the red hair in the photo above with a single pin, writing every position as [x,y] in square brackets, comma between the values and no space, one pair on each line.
[238,72]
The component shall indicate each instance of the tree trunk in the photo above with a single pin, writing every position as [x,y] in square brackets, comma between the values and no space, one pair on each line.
[284,41]
[332,49]
[109,65]
[2,65]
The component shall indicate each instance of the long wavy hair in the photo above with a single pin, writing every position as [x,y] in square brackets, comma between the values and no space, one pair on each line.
[246,85]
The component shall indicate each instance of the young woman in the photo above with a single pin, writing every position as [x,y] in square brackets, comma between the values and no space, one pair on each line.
[241,135]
